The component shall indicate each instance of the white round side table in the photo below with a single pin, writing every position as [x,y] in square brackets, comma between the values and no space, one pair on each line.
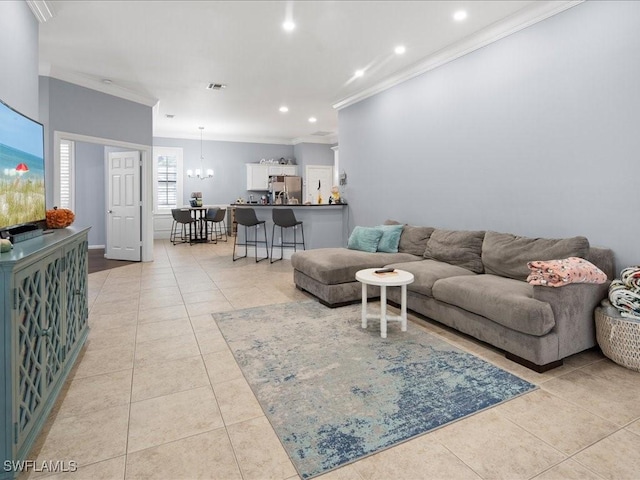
[399,278]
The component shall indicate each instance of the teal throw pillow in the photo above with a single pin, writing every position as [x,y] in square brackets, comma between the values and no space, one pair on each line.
[390,238]
[365,239]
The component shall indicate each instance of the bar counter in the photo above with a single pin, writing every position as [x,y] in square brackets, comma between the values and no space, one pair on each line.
[324,225]
[290,205]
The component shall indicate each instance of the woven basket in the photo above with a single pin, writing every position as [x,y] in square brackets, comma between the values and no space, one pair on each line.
[618,337]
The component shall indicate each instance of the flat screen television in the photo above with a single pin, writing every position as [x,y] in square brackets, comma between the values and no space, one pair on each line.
[22,187]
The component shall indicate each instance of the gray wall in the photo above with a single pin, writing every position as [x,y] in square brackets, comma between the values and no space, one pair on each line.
[19,57]
[90,205]
[228,161]
[536,134]
[83,111]
[313,154]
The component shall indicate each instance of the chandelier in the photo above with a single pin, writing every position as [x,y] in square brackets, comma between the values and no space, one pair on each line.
[200,171]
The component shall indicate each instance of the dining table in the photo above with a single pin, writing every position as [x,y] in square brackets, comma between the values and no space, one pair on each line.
[201,234]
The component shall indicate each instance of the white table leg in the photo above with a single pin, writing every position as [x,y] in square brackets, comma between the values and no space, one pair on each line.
[383,311]
[403,308]
[364,305]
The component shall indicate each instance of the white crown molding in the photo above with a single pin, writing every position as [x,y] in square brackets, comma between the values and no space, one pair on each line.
[225,138]
[77,137]
[94,83]
[326,140]
[249,139]
[537,12]
[41,9]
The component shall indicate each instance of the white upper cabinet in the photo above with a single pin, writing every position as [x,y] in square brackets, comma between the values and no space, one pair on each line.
[283,170]
[258,174]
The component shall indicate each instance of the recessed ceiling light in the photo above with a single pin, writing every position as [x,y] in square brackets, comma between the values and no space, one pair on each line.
[284,109]
[359,73]
[313,119]
[460,15]
[400,49]
[288,26]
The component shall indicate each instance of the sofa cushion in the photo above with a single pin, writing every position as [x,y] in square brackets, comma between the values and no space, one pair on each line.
[365,239]
[390,238]
[413,239]
[456,247]
[427,272]
[332,266]
[503,300]
[507,255]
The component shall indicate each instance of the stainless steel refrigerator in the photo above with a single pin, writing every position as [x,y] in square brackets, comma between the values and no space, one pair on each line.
[285,189]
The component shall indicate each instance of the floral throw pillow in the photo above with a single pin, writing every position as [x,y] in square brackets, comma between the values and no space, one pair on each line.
[556,273]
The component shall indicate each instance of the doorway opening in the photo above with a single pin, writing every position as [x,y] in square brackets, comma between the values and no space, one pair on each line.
[92,189]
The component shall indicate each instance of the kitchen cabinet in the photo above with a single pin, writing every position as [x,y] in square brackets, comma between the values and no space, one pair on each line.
[258,174]
[43,283]
[283,170]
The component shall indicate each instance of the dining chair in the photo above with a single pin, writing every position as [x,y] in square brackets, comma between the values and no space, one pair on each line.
[215,216]
[182,218]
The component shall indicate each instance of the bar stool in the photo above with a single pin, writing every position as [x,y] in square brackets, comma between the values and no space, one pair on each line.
[183,218]
[285,218]
[247,218]
[215,216]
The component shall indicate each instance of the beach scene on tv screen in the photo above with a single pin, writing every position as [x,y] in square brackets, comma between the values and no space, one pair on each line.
[22,190]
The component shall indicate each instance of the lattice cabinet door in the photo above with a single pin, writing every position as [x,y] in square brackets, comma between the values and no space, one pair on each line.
[76,269]
[43,298]
[38,339]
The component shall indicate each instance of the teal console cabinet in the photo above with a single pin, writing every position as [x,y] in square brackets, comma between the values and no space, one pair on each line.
[43,287]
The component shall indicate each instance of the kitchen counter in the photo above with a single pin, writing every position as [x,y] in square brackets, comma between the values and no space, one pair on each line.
[324,225]
[292,205]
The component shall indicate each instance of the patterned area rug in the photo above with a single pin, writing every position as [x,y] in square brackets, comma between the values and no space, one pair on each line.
[335,392]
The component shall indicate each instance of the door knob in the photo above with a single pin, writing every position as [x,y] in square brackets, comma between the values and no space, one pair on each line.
[109,211]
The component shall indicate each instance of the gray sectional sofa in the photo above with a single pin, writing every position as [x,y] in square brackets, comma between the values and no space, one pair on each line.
[475,282]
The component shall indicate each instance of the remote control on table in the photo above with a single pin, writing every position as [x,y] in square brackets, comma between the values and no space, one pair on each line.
[385,270]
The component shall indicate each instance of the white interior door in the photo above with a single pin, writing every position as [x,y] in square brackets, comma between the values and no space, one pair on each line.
[318,181]
[124,204]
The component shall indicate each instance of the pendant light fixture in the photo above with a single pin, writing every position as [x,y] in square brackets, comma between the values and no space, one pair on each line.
[199,171]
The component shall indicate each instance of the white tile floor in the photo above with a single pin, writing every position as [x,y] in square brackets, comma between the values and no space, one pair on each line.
[157,394]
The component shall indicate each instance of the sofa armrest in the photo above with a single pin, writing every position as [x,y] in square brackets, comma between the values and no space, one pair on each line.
[573,307]
[603,259]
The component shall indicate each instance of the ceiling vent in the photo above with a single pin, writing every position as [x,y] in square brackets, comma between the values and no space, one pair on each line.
[320,133]
[216,86]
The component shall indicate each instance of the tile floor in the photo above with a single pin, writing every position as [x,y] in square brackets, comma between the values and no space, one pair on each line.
[157,394]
